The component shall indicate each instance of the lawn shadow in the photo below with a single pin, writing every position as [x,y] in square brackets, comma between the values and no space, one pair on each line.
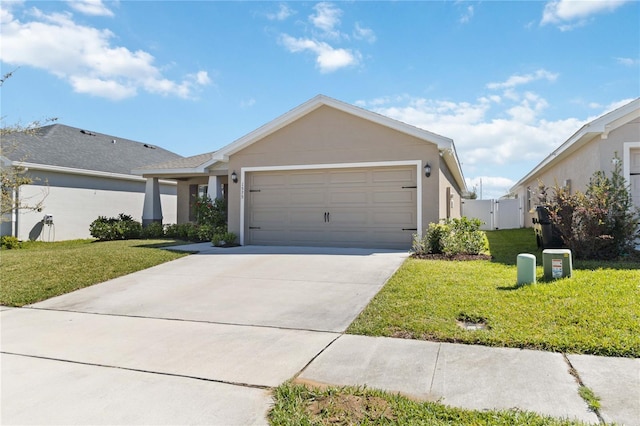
[506,244]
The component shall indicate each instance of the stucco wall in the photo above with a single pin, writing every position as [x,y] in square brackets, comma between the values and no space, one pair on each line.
[446,180]
[75,201]
[580,165]
[329,136]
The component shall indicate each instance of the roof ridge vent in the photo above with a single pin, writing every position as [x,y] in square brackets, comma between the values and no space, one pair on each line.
[86,132]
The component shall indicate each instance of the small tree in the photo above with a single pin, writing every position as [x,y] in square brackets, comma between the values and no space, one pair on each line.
[602,222]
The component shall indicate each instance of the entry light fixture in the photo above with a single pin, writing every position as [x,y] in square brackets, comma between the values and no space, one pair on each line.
[427,170]
[234,177]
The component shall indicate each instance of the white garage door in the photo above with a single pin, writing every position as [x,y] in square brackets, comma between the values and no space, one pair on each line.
[359,207]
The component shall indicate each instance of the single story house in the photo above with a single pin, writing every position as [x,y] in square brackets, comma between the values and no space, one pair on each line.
[325,174]
[80,175]
[592,148]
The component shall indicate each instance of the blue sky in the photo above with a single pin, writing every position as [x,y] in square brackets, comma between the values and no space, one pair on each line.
[507,81]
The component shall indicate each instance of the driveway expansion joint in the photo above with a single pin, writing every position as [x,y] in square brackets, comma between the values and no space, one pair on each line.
[274,327]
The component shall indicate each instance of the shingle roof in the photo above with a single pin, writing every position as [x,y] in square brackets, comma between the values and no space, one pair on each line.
[65,146]
[181,163]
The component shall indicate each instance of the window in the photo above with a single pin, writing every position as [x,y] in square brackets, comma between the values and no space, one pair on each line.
[203,190]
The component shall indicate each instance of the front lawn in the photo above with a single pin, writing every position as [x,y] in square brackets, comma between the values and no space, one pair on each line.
[300,405]
[43,270]
[597,311]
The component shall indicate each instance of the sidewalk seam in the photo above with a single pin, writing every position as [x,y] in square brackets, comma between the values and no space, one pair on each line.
[435,368]
[576,376]
[295,376]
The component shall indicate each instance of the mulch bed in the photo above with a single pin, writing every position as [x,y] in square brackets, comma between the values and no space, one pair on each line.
[459,257]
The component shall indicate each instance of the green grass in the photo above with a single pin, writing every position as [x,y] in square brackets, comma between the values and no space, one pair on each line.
[39,270]
[592,400]
[301,405]
[597,311]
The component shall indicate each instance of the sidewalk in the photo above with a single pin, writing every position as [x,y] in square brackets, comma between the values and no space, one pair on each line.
[479,377]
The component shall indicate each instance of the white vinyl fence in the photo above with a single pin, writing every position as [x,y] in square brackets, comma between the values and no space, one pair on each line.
[494,214]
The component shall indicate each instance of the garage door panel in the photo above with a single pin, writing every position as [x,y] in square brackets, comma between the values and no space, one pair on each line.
[404,197]
[407,176]
[394,218]
[307,198]
[308,178]
[305,217]
[350,217]
[269,198]
[267,218]
[265,180]
[348,177]
[343,197]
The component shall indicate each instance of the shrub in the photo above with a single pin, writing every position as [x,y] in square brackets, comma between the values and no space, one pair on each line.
[9,242]
[602,222]
[123,227]
[222,237]
[452,237]
[171,230]
[210,212]
[153,230]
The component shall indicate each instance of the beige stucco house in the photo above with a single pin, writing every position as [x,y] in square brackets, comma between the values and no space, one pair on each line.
[325,174]
[590,149]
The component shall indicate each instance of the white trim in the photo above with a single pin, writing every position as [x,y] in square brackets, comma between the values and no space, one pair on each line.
[84,172]
[626,157]
[416,163]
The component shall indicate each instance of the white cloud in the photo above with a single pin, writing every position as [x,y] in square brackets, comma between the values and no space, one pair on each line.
[569,14]
[90,7]
[247,103]
[467,15]
[282,14]
[518,80]
[326,18]
[328,58]
[489,187]
[86,58]
[629,62]
[362,33]
[489,133]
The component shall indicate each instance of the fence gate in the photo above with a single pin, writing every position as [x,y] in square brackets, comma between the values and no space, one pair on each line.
[494,214]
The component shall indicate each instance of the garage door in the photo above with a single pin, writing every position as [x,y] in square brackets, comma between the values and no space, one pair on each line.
[372,207]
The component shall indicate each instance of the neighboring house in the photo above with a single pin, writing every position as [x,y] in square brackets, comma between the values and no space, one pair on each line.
[590,149]
[325,174]
[81,175]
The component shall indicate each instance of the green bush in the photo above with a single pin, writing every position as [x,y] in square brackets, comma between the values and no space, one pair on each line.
[222,237]
[153,230]
[9,242]
[210,212]
[452,237]
[123,227]
[171,230]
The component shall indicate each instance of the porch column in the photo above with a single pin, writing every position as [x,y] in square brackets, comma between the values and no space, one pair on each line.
[215,187]
[152,210]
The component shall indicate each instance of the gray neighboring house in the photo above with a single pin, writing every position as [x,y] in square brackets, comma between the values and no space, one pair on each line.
[82,175]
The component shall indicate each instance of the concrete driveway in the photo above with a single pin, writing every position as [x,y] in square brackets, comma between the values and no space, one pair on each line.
[198,340]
